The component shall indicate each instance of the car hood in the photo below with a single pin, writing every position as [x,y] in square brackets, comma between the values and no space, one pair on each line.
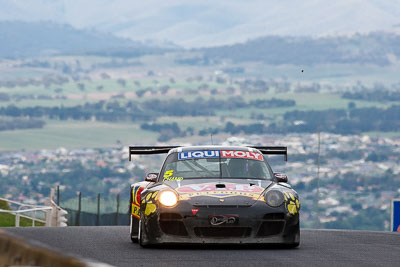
[205,192]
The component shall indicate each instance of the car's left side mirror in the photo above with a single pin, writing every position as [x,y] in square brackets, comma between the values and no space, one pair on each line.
[282,178]
[151,177]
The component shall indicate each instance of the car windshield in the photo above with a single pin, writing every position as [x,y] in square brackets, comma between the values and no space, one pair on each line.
[215,164]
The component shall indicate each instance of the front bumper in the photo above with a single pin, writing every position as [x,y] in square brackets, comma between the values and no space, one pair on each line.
[255,224]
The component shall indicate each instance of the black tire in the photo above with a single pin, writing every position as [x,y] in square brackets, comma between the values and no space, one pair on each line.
[134,239]
[296,242]
[134,225]
[140,235]
[293,245]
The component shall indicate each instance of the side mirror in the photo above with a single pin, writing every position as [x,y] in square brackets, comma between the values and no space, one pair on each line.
[282,178]
[151,177]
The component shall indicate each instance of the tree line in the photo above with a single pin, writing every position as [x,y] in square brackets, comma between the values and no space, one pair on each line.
[376,95]
[340,121]
[15,124]
[132,111]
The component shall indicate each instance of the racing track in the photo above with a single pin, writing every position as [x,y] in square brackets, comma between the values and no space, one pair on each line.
[111,244]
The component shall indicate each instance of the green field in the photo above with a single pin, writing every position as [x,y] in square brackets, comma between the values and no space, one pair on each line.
[187,80]
[75,134]
[69,134]
[8,220]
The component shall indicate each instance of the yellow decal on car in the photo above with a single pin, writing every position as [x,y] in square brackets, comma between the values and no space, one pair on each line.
[150,203]
[291,207]
[135,211]
[286,196]
[292,203]
[168,173]
[150,208]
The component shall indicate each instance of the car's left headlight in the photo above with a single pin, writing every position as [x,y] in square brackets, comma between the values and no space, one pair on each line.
[168,198]
[274,198]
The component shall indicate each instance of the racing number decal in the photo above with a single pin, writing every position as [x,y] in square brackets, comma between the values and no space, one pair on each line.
[168,174]
[136,191]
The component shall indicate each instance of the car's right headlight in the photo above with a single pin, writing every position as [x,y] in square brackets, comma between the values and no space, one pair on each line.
[274,198]
[168,198]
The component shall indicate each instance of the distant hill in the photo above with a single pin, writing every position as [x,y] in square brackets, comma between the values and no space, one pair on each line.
[200,23]
[374,48]
[32,39]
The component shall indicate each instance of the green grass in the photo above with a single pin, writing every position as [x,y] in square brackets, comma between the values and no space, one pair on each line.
[71,134]
[8,220]
[4,205]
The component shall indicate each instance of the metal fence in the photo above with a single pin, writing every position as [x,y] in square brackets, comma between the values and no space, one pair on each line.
[76,218]
[79,217]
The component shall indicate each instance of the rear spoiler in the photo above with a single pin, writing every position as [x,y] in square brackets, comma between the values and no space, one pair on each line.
[149,150]
[272,150]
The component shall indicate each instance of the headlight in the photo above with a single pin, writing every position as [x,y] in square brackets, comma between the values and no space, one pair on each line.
[168,198]
[274,198]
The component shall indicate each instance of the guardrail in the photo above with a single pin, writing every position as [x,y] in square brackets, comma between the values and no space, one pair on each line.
[53,214]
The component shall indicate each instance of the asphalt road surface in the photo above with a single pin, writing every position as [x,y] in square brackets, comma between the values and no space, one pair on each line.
[111,244]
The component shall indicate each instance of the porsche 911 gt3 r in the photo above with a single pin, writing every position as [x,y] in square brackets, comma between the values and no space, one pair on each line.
[214,194]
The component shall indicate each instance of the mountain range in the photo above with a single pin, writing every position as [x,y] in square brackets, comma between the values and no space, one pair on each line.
[204,23]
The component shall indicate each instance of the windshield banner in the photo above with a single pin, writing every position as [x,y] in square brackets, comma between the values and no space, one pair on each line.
[222,153]
[241,154]
[198,154]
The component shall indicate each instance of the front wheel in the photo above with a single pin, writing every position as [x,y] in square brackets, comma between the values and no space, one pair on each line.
[140,235]
[293,245]
[296,242]
[134,224]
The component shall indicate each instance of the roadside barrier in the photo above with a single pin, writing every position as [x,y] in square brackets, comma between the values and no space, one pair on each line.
[15,251]
[52,213]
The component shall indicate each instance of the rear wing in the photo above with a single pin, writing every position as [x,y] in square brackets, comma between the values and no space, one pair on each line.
[149,150]
[272,150]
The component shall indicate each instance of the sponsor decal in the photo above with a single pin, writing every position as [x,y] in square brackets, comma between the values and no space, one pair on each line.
[241,154]
[221,219]
[136,191]
[194,211]
[198,154]
[173,179]
[210,190]
[135,211]
[292,203]
[222,153]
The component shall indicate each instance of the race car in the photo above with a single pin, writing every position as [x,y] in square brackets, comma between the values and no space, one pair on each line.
[214,195]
